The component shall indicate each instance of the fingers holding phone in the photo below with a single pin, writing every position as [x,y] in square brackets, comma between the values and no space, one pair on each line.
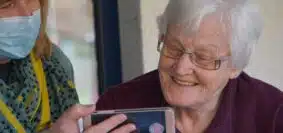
[143,120]
[110,124]
[68,121]
[129,128]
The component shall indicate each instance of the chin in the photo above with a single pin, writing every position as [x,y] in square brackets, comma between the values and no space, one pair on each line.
[180,94]
[182,99]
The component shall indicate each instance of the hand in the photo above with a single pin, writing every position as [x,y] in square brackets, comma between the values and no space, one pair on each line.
[68,122]
[109,124]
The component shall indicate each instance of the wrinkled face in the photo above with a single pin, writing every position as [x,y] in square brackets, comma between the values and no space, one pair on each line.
[11,8]
[185,84]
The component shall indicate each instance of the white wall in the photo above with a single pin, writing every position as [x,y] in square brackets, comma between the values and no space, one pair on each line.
[150,9]
[267,59]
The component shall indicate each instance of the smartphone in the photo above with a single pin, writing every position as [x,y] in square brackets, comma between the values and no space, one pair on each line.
[147,120]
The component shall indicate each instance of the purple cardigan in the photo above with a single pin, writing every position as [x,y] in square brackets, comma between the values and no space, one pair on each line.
[248,105]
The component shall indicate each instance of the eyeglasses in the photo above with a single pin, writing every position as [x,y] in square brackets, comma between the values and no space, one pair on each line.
[200,58]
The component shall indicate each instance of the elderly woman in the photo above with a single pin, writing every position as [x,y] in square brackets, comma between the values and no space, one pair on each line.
[204,45]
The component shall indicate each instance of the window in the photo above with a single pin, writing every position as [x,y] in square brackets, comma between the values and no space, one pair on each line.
[70,26]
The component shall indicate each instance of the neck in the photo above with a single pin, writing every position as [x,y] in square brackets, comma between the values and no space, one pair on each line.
[196,119]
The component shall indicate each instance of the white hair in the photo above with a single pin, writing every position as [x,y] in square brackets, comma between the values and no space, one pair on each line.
[245,22]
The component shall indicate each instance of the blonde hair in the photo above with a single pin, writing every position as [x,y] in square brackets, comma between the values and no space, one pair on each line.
[43,44]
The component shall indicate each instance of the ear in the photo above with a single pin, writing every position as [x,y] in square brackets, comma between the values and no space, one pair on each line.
[234,73]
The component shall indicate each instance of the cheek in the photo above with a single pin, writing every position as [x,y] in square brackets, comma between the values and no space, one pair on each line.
[165,64]
[213,80]
[164,69]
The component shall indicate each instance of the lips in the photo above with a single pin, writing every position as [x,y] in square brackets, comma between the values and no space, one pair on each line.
[185,82]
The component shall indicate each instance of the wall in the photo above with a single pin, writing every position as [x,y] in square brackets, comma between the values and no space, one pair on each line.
[138,35]
[130,38]
[266,61]
[150,10]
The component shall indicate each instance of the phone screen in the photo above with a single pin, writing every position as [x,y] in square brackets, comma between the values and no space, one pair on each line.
[146,122]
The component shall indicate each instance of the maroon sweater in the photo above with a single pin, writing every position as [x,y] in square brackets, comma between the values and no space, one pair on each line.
[248,105]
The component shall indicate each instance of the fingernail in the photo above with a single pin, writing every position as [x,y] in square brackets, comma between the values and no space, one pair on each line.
[123,117]
[133,127]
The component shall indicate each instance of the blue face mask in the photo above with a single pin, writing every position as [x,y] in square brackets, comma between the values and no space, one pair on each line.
[18,35]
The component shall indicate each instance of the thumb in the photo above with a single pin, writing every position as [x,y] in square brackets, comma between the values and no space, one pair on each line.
[77,111]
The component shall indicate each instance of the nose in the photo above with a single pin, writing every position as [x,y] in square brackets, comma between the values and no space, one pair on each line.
[184,66]
[24,9]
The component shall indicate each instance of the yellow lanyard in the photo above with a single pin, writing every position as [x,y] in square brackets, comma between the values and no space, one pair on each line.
[45,107]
